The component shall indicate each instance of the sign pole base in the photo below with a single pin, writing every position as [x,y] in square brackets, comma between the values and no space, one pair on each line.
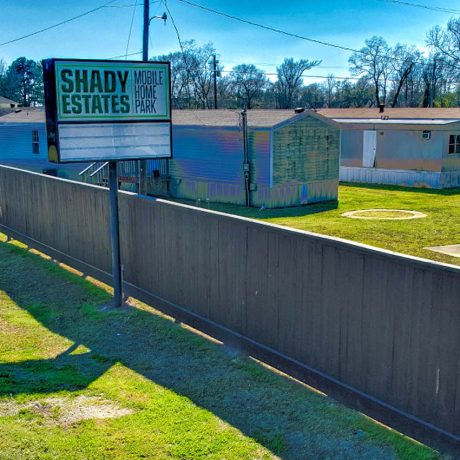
[115,235]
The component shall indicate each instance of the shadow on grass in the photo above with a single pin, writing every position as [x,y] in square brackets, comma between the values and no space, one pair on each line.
[265,213]
[399,188]
[65,372]
[285,417]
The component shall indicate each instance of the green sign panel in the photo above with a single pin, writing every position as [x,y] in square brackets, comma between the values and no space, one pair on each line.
[104,91]
[107,110]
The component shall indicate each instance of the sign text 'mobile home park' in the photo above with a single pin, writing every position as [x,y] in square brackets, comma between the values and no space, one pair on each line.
[107,110]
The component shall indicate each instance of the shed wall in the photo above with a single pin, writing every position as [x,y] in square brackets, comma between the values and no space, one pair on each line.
[304,151]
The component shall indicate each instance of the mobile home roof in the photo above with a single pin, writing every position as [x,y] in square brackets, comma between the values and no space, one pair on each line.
[216,118]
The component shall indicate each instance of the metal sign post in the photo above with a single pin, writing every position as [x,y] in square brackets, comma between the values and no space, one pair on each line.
[108,111]
[115,235]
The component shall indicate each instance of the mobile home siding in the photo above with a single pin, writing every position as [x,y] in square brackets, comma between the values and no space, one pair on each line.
[16,146]
[408,150]
[395,149]
[207,164]
[16,150]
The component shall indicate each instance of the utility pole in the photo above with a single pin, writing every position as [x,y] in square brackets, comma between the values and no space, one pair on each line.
[246,164]
[145,58]
[215,81]
[145,36]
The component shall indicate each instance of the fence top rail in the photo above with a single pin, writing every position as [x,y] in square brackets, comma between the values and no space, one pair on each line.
[325,239]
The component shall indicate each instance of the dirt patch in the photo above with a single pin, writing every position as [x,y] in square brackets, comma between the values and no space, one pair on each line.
[384,214]
[66,411]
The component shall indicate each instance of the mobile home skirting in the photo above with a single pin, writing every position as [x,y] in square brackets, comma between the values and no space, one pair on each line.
[421,179]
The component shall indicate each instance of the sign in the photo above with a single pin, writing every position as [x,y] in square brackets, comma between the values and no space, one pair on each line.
[107,110]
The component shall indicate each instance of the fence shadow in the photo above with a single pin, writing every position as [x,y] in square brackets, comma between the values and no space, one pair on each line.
[400,188]
[264,213]
[65,372]
[214,377]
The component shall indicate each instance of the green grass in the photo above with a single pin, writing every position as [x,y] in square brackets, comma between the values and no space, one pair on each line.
[440,227]
[191,398]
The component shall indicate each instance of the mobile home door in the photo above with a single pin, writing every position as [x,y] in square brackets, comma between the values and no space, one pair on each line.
[369,148]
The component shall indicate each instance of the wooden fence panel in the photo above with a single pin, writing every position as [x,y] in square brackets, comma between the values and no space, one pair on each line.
[386,324]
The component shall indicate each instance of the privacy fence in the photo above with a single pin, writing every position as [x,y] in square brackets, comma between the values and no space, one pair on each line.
[385,324]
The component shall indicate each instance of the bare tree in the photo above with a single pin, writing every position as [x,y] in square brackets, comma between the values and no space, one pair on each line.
[403,61]
[201,73]
[372,62]
[435,76]
[192,75]
[290,81]
[330,87]
[247,83]
[446,41]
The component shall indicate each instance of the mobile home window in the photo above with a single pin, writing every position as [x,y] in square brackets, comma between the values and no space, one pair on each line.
[454,143]
[35,142]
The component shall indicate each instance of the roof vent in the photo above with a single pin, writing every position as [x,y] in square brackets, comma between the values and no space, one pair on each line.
[299,110]
[381,108]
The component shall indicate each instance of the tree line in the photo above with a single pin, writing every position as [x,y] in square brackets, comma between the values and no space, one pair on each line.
[397,76]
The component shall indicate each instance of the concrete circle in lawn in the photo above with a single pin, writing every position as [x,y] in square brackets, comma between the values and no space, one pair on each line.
[384,214]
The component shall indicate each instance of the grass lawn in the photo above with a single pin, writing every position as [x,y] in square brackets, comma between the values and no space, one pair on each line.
[79,380]
[440,227]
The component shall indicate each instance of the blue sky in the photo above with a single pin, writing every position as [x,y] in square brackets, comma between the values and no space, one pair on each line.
[104,33]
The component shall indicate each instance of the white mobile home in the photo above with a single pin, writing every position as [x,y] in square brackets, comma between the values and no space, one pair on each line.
[417,147]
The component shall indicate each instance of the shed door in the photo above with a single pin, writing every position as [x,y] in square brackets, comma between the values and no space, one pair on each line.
[369,148]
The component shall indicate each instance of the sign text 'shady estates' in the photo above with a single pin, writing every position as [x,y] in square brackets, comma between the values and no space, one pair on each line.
[109,92]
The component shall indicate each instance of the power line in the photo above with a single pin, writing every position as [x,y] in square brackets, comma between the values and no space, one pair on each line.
[273,29]
[130,29]
[426,7]
[183,52]
[125,55]
[176,29]
[271,64]
[132,4]
[58,24]
[274,74]
[284,32]
[160,2]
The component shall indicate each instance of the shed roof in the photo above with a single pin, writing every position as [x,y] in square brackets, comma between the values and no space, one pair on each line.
[413,113]
[227,118]
[256,118]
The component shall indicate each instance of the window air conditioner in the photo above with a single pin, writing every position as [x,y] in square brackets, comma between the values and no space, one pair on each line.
[426,135]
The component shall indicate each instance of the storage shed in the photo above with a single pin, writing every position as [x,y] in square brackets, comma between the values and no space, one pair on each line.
[417,147]
[294,158]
